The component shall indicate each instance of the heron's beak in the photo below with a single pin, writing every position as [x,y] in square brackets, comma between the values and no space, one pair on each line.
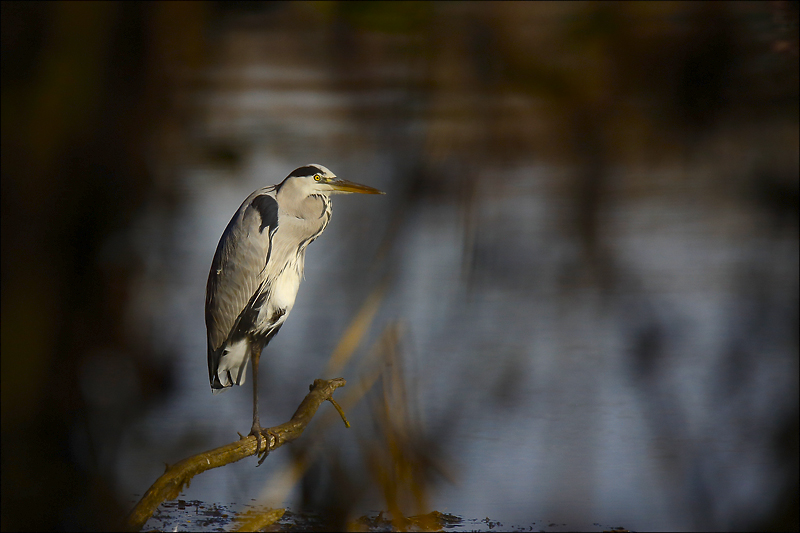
[340,185]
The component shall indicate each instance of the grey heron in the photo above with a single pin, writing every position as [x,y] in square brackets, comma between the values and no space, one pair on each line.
[257,269]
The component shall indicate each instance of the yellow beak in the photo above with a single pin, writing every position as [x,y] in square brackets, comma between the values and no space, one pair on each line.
[338,184]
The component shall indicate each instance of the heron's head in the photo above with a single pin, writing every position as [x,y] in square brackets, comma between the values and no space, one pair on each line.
[316,179]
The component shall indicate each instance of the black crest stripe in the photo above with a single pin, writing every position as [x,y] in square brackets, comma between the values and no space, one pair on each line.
[304,171]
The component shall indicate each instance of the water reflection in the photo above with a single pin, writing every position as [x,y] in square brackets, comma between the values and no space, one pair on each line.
[588,248]
[566,353]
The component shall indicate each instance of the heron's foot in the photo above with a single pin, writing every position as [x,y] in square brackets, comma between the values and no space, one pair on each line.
[270,437]
[257,431]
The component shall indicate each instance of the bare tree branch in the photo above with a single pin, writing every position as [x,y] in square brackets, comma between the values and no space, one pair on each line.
[177,476]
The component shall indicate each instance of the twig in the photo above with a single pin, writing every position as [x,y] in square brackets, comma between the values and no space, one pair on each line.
[341,412]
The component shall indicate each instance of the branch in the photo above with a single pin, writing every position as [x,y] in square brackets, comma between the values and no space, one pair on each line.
[177,476]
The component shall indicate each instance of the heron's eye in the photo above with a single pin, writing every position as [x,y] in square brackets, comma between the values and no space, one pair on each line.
[316,177]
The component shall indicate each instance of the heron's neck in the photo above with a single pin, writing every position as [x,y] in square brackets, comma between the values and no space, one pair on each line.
[302,204]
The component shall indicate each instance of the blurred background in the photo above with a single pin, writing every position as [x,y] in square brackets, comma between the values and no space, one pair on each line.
[577,303]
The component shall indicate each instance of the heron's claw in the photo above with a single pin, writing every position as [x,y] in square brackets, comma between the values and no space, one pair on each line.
[260,432]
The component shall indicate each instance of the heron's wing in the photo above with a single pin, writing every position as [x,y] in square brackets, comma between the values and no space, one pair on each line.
[239,263]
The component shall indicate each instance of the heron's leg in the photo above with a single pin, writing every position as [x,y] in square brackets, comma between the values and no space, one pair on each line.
[256,429]
[254,357]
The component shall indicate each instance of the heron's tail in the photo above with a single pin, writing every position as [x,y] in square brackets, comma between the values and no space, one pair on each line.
[228,365]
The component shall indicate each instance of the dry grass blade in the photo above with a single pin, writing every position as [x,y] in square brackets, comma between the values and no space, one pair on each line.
[355,332]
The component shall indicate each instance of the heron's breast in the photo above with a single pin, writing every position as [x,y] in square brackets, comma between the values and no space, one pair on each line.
[284,289]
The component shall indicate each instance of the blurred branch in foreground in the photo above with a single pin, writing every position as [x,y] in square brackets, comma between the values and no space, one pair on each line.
[170,484]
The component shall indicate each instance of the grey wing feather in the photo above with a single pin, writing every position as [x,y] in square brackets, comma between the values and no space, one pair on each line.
[239,264]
